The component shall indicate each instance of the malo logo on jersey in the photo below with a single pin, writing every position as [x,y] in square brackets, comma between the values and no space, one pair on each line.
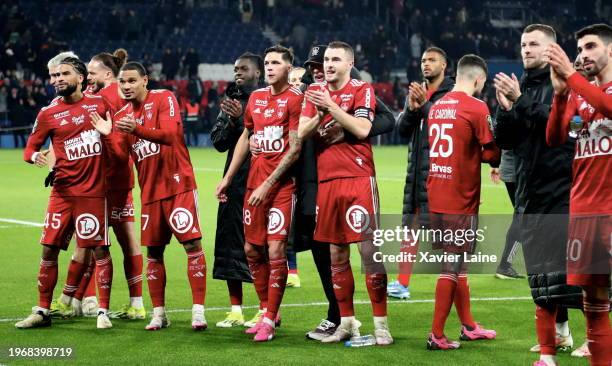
[357,218]
[86,145]
[596,141]
[181,220]
[144,149]
[77,120]
[87,226]
[276,221]
[271,139]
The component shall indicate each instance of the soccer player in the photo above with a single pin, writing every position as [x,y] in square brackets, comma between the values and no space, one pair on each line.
[347,196]
[272,113]
[459,140]
[77,201]
[412,124]
[149,129]
[230,260]
[295,77]
[589,252]
[103,70]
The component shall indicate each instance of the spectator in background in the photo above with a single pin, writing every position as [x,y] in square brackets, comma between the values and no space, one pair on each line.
[416,44]
[365,74]
[170,63]
[246,10]
[191,121]
[133,26]
[191,60]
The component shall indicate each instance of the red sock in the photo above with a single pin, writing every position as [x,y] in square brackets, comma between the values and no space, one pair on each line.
[90,291]
[47,279]
[405,267]
[105,280]
[260,271]
[376,284]
[545,328]
[86,280]
[445,293]
[599,333]
[196,271]
[344,287]
[462,301]
[75,273]
[156,279]
[133,274]
[234,287]
[276,286]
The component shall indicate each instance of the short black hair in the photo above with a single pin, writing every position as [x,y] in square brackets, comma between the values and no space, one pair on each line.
[136,66]
[546,29]
[254,59]
[601,30]
[437,50]
[79,67]
[345,46]
[472,61]
[286,53]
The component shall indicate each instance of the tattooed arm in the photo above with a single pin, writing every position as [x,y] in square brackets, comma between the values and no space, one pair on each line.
[295,146]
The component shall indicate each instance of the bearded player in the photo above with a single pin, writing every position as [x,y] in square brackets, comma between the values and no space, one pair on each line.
[459,140]
[272,113]
[347,196]
[149,129]
[77,202]
[589,249]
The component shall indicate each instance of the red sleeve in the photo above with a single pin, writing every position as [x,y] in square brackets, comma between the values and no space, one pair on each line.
[117,144]
[481,124]
[365,102]
[248,119]
[37,138]
[168,120]
[557,127]
[308,109]
[596,97]
[295,111]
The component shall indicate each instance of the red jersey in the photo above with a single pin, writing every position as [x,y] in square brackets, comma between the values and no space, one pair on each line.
[271,117]
[120,176]
[458,126]
[592,166]
[351,157]
[157,146]
[78,147]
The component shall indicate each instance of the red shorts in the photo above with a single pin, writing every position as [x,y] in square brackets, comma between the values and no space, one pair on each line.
[589,251]
[176,215]
[347,210]
[454,233]
[121,206]
[270,220]
[85,215]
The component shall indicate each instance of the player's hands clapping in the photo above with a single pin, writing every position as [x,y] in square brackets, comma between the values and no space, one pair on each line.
[507,86]
[321,99]
[232,107]
[259,195]
[558,60]
[417,96]
[104,126]
[254,147]
[126,124]
[221,189]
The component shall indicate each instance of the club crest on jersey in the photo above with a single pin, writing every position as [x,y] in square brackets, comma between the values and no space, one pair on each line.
[77,120]
[181,220]
[270,140]
[357,218]
[144,149]
[276,220]
[87,226]
[149,115]
[85,145]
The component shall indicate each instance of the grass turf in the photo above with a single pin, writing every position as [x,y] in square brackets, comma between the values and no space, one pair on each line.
[23,197]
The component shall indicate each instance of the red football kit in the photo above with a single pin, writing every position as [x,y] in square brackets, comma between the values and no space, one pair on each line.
[77,201]
[270,117]
[458,126]
[165,173]
[120,175]
[590,229]
[347,196]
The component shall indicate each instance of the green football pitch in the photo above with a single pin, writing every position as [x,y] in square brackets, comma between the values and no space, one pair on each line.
[502,305]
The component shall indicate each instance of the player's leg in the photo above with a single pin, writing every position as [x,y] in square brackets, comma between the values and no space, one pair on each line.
[132,265]
[86,293]
[67,304]
[599,333]
[322,260]
[260,272]
[401,287]
[293,279]
[444,296]
[234,317]
[104,264]
[196,272]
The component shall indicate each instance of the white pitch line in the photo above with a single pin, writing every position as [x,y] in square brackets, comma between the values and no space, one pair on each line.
[310,304]
[21,222]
